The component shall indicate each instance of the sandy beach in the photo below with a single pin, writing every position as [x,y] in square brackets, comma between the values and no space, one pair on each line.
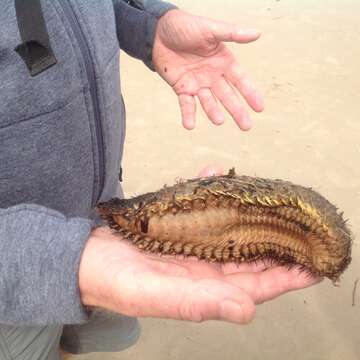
[307,66]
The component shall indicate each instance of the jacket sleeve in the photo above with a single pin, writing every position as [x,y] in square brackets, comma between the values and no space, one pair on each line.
[40,253]
[136,25]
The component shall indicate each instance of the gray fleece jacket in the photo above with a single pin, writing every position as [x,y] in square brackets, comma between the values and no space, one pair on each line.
[61,139]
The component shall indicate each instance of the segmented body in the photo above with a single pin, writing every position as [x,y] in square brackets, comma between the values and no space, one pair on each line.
[234,219]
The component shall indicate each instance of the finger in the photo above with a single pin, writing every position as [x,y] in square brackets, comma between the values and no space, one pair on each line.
[242,83]
[210,106]
[223,31]
[188,109]
[211,170]
[227,96]
[267,285]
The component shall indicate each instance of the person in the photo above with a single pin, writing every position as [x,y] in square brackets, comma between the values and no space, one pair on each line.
[61,137]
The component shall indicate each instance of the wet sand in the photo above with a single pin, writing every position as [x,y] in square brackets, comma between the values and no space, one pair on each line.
[307,66]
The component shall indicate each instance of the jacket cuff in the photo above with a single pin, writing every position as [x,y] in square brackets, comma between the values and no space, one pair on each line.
[136,23]
[40,256]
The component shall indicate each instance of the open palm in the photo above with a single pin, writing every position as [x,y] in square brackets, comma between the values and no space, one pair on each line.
[117,276]
[190,54]
[135,283]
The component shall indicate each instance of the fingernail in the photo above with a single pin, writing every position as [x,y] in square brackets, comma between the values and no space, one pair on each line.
[249,32]
[259,102]
[219,119]
[231,311]
[189,124]
[246,123]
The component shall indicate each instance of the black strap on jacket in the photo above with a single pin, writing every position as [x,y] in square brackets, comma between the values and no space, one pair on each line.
[35,48]
[136,4]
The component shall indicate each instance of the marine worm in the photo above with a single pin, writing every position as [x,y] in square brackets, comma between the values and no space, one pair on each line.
[238,219]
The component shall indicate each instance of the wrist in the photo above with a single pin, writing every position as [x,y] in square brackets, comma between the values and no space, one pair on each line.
[162,30]
[90,269]
[157,15]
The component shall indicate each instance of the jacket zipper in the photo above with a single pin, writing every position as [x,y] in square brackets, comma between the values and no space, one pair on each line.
[90,72]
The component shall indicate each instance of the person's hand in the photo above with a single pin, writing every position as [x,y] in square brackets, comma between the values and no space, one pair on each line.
[117,276]
[190,54]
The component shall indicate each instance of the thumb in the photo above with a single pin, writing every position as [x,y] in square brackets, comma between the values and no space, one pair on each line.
[211,170]
[189,299]
[223,31]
